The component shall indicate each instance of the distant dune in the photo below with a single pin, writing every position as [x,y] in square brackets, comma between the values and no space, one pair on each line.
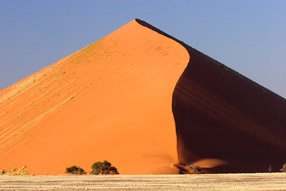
[144,101]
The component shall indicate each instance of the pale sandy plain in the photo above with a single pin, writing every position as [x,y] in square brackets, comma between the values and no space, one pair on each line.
[201,182]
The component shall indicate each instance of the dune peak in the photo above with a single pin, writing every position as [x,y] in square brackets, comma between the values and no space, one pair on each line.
[146,102]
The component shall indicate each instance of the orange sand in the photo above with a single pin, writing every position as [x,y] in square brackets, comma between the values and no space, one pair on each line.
[114,99]
[109,101]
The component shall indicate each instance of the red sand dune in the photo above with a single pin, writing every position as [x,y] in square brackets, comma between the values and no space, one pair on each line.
[113,100]
[109,101]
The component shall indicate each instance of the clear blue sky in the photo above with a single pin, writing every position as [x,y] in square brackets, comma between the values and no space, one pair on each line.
[246,35]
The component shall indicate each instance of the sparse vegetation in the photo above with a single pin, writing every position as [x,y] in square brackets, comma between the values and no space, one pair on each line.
[103,168]
[2,171]
[13,172]
[21,171]
[75,170]
[196,168]
[283,169]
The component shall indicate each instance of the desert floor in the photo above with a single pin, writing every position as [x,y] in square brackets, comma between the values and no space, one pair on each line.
[206,182]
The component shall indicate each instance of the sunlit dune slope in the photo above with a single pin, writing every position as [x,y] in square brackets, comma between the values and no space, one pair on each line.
[109,101]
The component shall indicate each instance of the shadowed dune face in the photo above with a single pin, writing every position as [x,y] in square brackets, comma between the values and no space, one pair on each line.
[224,121]
[109,101]
[221,116]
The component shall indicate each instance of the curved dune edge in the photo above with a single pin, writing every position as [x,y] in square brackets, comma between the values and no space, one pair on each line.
[224,121]
[109,101]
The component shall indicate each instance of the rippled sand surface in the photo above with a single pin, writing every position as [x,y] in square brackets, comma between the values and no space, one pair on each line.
[201,182]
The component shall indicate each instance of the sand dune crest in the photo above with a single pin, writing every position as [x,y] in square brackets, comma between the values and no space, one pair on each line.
[144,101]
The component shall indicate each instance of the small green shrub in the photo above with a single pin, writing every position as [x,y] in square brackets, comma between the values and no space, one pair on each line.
[75,170]
[103,168]
[2,171]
